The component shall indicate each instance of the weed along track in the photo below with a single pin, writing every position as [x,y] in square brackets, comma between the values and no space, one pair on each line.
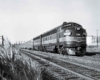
[65,70]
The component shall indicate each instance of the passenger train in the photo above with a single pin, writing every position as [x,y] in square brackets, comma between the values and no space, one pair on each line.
[68,38]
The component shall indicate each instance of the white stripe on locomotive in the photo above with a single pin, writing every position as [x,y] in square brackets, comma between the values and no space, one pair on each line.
[63,39]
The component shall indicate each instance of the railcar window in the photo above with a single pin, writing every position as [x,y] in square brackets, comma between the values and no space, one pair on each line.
[59,35]
[45,38]
[50,36]
[55,35]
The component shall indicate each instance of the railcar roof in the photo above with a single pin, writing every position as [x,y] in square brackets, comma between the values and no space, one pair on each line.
[47,31]
[52,29]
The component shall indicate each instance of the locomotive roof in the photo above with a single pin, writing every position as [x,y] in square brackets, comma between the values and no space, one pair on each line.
[64,23]
[74,24]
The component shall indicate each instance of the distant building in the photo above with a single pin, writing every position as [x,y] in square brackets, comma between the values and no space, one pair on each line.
[93,40]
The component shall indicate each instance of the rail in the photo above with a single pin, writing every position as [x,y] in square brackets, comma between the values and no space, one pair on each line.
[82,71]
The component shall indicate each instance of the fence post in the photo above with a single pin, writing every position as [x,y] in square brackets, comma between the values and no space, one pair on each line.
[2,40]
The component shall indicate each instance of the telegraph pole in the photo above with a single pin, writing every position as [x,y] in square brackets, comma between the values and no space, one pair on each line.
[97,38]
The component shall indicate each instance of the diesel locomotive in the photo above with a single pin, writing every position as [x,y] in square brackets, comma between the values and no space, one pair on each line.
[68,38]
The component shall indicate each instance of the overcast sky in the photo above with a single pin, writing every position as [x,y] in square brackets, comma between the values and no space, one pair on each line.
[21,20]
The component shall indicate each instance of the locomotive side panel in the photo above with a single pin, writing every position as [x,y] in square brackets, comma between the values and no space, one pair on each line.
[49,40]
[69,38]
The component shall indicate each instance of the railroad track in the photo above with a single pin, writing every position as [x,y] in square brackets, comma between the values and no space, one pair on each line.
[74,71]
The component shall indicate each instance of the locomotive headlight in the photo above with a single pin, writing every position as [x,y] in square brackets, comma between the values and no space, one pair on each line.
[67,33]
[78,28]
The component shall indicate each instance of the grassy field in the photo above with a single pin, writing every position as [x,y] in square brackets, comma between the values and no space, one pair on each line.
[93,49]
[19,67]
[16,66]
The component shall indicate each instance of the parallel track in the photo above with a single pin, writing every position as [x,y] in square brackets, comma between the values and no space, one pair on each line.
[80,71]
